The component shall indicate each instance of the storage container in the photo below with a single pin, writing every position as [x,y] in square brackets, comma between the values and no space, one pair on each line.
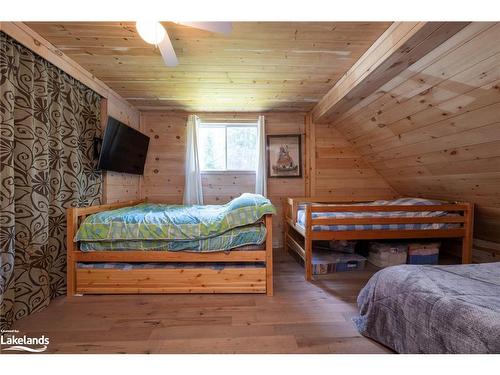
[343,246]
[339,246]
[330,262]
[385,254]
[423,253]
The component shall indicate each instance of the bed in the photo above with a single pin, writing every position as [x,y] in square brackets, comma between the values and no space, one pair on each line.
[310,219]
[144,247]
[433,309]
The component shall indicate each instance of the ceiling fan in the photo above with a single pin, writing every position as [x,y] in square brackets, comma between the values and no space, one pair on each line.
[155,33]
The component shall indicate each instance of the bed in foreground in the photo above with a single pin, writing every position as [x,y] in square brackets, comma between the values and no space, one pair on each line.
[433,309]
[138,247]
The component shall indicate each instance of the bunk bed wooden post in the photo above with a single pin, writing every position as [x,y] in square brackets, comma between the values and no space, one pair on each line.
[269,254]
[293,214]
[72,226]
[308,243]
[468,237]
[286,210]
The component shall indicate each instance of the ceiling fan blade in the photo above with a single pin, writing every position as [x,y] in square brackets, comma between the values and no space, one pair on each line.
[167,51]
[215,27]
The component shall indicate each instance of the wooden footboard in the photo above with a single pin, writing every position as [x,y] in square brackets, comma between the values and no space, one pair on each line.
[250,271]
[461,220]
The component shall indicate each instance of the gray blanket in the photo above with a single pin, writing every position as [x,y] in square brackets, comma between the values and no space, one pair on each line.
[433,309]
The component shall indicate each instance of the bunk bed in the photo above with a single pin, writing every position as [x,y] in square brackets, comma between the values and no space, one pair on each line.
[317,218]
[125,270]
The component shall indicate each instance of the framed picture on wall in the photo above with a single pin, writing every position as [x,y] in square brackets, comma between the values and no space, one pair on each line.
[284,157]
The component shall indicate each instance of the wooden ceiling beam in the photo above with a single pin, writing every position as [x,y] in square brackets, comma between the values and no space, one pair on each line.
[401,45]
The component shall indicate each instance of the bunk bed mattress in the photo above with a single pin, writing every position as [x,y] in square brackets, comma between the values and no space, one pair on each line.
[301,216]
[234,238]
[149,221]
[433,309]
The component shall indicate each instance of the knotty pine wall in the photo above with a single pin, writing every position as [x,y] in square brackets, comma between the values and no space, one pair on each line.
[338,170]
[434,130]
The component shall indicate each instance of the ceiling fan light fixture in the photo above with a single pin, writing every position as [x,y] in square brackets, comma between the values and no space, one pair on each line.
[151,32]
[154,33]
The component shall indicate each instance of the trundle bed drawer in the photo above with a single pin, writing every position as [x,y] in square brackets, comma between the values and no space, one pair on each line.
[183,280]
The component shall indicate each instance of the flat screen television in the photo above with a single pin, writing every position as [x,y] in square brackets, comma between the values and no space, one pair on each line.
[123,149]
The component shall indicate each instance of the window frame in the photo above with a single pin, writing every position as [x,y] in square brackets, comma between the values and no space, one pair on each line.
[226,125]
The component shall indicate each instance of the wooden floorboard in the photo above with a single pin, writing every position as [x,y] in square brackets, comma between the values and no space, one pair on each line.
[301,318]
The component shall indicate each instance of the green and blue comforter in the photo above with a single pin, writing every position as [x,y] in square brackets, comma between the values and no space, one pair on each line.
[175,227]
[233,238]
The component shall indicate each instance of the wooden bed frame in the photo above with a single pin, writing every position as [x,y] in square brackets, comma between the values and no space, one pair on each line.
[320,204]
[182,280]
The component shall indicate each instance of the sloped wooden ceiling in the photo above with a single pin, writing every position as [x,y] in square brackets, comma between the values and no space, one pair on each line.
[434,130]
[260,66]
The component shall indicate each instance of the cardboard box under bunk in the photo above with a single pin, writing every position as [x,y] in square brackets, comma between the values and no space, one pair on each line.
[385,254]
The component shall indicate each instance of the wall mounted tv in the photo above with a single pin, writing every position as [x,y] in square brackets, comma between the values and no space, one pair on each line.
[123,149]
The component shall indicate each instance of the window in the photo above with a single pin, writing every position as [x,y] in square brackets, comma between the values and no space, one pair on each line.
[228,147]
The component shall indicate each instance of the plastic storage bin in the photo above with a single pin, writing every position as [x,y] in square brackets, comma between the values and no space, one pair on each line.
[332,262]
[423,253]
[385,254]
[338,246]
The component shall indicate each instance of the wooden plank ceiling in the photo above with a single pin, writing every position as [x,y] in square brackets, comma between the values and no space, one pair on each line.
[260,66]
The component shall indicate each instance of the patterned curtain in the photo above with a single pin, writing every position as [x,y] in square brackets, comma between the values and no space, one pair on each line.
[48,122]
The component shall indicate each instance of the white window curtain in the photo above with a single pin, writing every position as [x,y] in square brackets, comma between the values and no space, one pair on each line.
[260,174]
[193,193]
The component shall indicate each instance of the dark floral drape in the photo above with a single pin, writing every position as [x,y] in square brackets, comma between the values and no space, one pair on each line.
[48,122]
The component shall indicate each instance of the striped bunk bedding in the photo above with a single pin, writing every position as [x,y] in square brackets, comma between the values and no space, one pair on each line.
[301,216]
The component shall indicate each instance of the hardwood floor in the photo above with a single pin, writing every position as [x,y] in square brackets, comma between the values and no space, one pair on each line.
[301,318]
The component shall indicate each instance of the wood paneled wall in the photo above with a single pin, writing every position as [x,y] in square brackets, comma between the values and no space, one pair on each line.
[164,172]
[339,171]
[434,130]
